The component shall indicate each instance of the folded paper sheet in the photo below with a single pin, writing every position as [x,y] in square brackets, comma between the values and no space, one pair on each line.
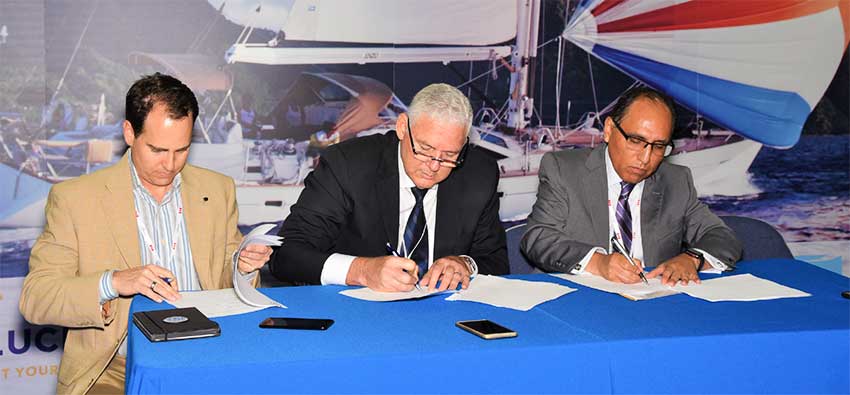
[243,284]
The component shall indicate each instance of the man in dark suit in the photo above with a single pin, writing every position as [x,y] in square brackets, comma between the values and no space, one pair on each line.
[625,189]
[419,192]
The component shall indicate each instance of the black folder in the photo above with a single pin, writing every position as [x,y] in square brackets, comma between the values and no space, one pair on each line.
[175,324]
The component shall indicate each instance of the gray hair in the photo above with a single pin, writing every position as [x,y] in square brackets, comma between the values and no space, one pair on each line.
[442,102]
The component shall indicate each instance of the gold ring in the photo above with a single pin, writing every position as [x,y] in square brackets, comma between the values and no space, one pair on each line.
[153,285]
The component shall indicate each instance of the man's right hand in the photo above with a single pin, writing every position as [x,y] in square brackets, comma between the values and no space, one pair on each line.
[615,267]
[141,280]
[383,274]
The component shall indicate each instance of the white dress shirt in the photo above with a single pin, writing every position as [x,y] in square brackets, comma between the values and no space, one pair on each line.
[614,188]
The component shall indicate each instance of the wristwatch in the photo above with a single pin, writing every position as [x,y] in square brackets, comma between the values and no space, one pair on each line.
[470,264]
[698,255]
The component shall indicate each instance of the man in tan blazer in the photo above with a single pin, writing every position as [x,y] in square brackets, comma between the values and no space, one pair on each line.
[150,224]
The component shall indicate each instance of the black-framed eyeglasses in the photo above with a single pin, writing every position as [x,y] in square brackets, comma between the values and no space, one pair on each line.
[637,143]
[428,158]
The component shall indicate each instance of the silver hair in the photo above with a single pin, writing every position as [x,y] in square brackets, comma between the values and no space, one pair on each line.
[442,102]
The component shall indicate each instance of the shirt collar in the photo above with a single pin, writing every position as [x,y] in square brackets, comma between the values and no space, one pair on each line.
[137,183]
[613,177]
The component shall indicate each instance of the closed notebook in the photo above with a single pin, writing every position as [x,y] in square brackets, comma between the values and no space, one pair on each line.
[175,324]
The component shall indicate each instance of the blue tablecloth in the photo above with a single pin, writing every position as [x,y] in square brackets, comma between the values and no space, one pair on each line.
[586,341]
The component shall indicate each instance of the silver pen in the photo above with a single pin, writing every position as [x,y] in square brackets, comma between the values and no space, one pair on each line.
[622,250]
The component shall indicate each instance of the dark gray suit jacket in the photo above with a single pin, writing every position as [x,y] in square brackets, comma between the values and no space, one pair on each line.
[570,216]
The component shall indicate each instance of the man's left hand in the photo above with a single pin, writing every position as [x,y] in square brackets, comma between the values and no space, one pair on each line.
[253,257]
[678,269]
[449,272]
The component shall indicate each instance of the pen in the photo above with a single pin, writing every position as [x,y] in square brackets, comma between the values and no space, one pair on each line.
[622,250]
[393,252]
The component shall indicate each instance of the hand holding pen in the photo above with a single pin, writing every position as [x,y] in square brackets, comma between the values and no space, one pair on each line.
[616,246]
[414,273]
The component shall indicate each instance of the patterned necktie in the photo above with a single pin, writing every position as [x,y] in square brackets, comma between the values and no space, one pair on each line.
[415,241]
[624,215]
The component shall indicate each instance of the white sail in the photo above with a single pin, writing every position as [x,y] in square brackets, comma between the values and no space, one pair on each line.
[434,22]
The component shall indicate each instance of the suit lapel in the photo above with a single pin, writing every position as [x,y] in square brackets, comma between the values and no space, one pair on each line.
[118,205]
[596,194]
[198,216]
[650,207]
[386,189]
[448,212]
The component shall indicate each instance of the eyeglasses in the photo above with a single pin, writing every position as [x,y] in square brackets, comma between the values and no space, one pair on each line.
[424,157]
[637,143]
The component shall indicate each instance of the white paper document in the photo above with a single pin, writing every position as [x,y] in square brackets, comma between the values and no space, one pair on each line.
[215,303]
[741,287]
[636,291]
[375,296]
[242,284]
[510,293]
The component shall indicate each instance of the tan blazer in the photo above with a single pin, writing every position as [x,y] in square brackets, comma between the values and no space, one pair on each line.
[91,228]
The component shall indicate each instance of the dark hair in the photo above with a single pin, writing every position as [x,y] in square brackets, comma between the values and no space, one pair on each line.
[156,88]
[631,95]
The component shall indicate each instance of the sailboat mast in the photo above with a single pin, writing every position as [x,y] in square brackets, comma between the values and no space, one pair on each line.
[520,103]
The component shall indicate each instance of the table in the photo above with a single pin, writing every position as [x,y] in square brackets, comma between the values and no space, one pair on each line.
[586,341]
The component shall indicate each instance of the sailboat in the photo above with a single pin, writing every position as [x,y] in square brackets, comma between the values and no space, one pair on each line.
[754,68]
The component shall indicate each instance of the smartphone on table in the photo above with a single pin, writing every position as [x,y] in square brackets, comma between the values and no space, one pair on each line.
[318,324]
[486,329]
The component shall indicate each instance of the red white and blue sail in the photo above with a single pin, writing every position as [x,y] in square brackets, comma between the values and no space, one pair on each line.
[757,67]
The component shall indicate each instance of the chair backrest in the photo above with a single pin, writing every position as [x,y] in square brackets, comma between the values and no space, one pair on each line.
[99,151]
[759,239]
[517,261]
[268,280]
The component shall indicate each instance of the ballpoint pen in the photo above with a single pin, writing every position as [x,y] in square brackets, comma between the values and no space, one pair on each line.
[415,273]
[622,250]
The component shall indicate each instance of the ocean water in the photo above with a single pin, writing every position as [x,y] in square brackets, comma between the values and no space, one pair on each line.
[805,190]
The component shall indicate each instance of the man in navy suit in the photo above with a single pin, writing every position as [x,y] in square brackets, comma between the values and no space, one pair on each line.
[417,205]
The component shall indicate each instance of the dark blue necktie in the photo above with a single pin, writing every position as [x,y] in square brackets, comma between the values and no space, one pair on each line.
[415,241]
[624,215]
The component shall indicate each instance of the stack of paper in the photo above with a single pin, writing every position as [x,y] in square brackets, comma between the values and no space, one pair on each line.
[637,291]
[742,287]
[242,284]
[513,294]
[215,303]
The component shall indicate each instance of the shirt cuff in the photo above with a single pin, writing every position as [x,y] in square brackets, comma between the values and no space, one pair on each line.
[716,265]
[473,267]
[582,264]
[106,290]
[336,268]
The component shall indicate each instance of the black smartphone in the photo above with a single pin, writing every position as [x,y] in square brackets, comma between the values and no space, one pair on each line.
[318,324]
[486,329]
